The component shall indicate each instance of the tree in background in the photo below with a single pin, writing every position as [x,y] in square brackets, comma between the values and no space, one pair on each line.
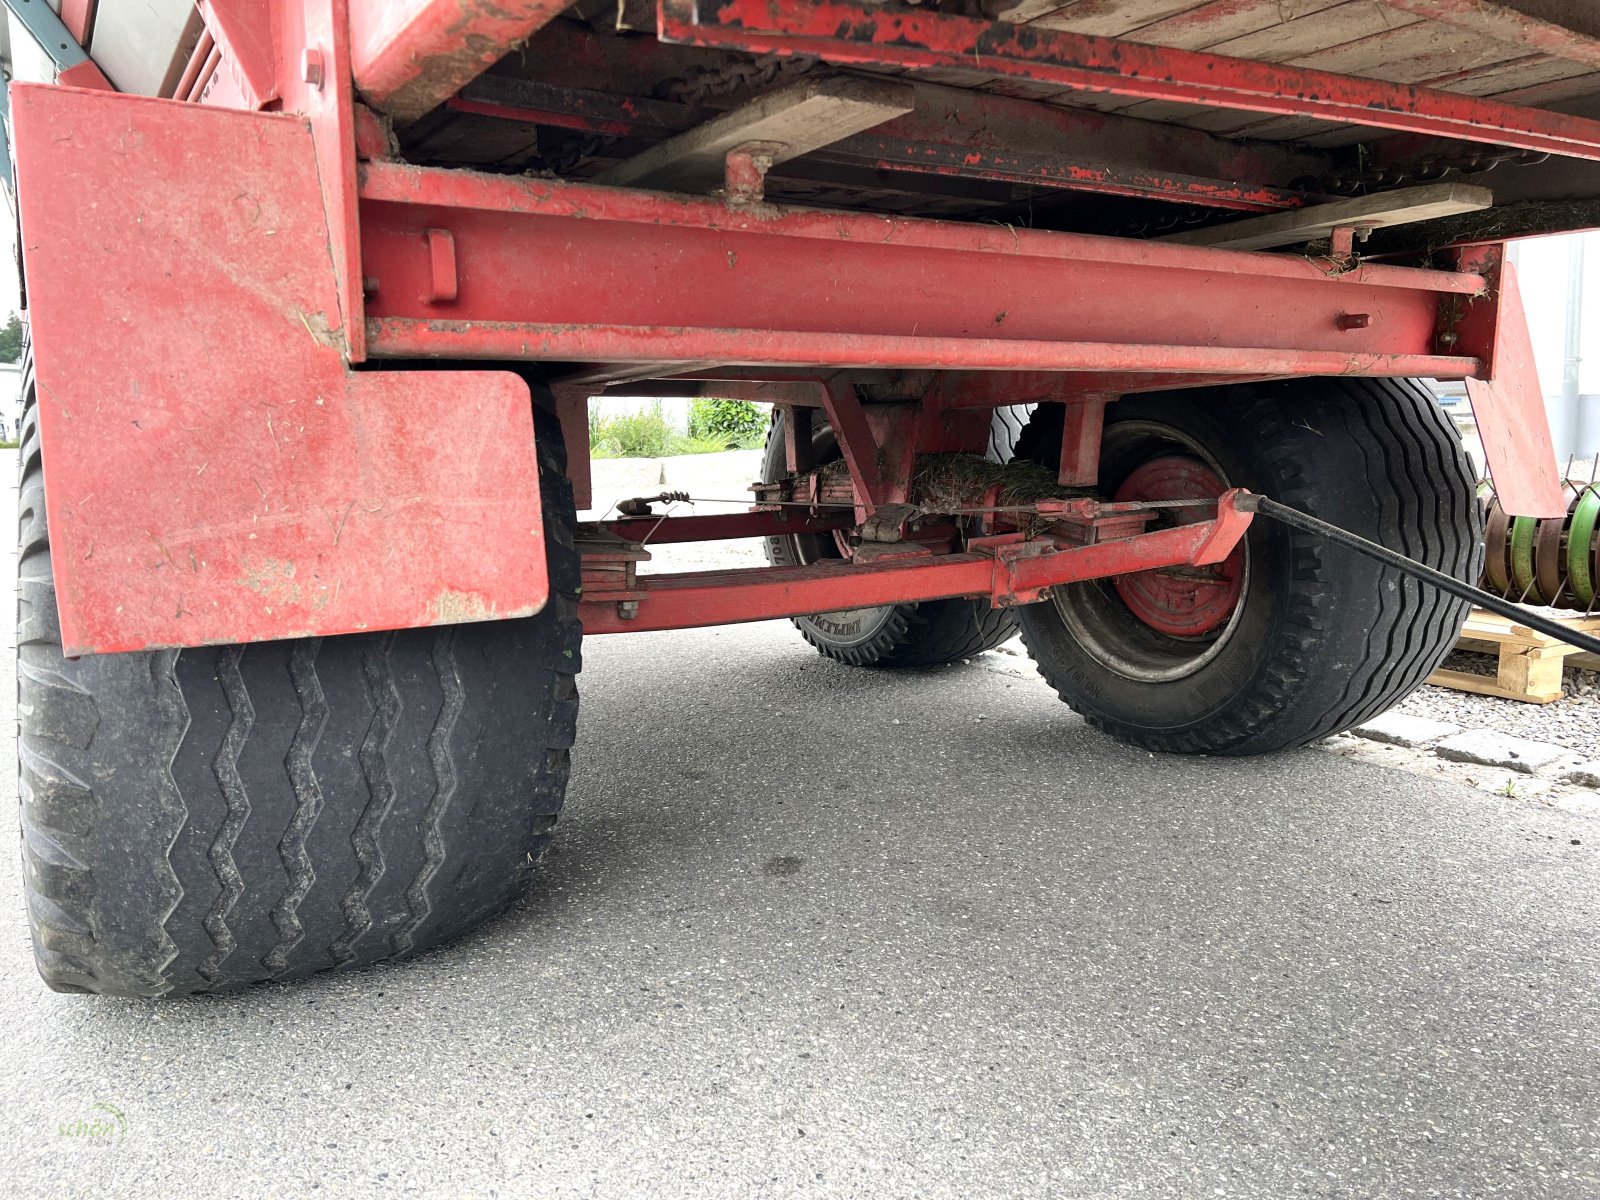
[11,339]
[735,423]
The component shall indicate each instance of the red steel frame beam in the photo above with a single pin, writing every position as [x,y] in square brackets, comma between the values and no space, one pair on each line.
[621,276]
[844,33]
[669,345]
[78,17]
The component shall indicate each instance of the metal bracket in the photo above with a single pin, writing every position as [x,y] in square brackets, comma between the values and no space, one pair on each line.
[744,171]
[53,36]
[1507,399]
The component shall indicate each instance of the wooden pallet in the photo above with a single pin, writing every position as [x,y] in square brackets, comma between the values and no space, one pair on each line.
[1530,663]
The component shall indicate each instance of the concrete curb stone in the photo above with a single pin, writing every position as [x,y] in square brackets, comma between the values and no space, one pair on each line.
[1585,774]
[1402,729]
[1492,749]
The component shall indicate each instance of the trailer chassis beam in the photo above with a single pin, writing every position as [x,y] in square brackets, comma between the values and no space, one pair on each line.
[681,284]
[634,284]
[852,33]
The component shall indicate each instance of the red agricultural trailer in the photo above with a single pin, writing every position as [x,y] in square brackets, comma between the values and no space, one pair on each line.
[318,293]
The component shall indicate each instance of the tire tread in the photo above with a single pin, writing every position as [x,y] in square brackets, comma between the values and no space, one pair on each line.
[1421,490]
[155,897]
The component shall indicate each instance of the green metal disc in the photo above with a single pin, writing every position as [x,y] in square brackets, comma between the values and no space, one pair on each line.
[1523,531]
[1581,545]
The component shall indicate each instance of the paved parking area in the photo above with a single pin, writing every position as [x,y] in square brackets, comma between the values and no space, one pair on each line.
[813,931]
[810,931]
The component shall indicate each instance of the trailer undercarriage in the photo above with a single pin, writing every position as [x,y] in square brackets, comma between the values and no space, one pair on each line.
[316,322]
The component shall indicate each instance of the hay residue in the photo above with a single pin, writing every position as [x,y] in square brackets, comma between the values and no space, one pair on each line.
[944,483]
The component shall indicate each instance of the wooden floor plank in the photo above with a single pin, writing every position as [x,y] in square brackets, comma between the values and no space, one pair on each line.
[1205,27]
[1112,18]
[1401,207]
[1349,22]
[1486,685]
[792,121]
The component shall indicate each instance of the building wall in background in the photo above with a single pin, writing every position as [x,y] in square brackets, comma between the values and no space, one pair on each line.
[1561,291]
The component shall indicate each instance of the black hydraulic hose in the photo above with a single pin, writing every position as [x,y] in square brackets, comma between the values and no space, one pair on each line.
[1249,502]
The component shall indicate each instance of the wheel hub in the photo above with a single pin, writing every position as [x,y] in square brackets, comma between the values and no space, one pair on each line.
[1181,601]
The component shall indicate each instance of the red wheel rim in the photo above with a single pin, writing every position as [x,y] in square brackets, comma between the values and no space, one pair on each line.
[1181,601]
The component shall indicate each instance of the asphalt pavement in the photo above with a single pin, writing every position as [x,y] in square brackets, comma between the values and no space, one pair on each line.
[815,931]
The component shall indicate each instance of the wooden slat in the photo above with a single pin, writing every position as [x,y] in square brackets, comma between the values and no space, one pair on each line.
[1025,11]
[1560,81]
[1317,33]
[1359,34]
[1487,685]
[1206,26]
[1025,89]
[1112,18]
[1544,95]
[1518,74]
[1509,26]
[1307,224]
[1492,627]
[1528,665]
[793,120]
[1268,31]
[1483,52]
[1410,54]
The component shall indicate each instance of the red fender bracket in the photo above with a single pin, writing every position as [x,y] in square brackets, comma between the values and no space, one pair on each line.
[1508,402]
[214,472]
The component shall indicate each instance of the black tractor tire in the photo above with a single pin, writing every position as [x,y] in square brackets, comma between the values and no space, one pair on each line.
[200,820]
[926,634]
[1322,638]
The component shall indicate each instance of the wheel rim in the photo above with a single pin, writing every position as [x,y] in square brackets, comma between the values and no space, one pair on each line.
[1180,601]
[1156,626]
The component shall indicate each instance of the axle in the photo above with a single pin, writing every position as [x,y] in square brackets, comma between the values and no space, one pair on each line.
[970,528]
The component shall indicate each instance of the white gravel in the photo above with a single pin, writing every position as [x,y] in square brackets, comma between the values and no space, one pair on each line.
[1572,721]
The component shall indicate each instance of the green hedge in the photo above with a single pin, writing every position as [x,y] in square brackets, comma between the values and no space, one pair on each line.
[738,424]
[714,425]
